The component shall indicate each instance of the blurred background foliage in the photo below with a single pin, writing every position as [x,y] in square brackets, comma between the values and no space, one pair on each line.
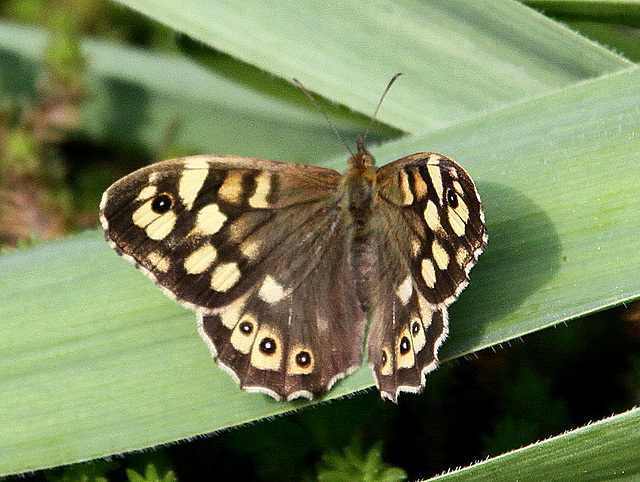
[51,178]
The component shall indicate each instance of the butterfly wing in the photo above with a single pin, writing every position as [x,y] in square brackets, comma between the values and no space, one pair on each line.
[249,244]
[301,344]
[428,230]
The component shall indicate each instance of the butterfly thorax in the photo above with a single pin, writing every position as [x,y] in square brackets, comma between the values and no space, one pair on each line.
[357,188]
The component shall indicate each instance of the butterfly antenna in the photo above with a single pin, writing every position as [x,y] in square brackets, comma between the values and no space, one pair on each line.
[375,113]
[322,111]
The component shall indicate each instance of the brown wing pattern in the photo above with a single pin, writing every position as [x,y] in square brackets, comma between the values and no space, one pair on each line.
[197,225]
[249,244]
[429,232]
[279,266]
[301,344]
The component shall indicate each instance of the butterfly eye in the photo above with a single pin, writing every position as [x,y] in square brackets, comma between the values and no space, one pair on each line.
[246,327]
[415,328]
[452,198]
[268,346]
[161,203]
[404,345]
[303,359]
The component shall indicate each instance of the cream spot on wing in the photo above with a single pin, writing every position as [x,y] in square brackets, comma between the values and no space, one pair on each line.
[406,189]
[417,334]
[263,187]
[144,215]
[301,361]
[461,256]
[196,163]
[405,290]
[416,246]
[457,186]
[158,261]
[419,185]
[428,272]
[266,353]
[157,226]
[426,312]
[225,276]
[201,259]
[250,248]
[271,291]
[244,333]
[385,366]
[209,221]
[404,350]
[436,180]
[457,224]
[230,315]
[231,189]
[146,193]
[461,212]
[191,181]
[440,255]
[431,216]
[161,227]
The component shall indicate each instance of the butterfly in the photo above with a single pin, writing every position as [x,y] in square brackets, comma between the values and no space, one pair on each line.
[285,263]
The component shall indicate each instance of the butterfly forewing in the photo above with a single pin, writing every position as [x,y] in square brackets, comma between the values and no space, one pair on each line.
[198,225]
[431,208]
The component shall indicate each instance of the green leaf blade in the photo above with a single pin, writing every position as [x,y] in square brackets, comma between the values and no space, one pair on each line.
[101,362]
[138,97]
[605,450]
[455,56]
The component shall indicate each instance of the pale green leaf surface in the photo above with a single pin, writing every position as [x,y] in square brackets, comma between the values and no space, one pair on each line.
[459,57]
[96,360]
[606,450]
[137,97]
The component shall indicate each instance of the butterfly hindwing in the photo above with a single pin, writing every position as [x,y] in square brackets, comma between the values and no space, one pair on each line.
[403,344]
[301,344]
[428,227]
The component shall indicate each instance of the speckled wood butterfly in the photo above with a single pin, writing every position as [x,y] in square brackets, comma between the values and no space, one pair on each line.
[284,263]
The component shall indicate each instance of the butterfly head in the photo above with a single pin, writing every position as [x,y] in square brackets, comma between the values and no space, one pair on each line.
[362,160]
